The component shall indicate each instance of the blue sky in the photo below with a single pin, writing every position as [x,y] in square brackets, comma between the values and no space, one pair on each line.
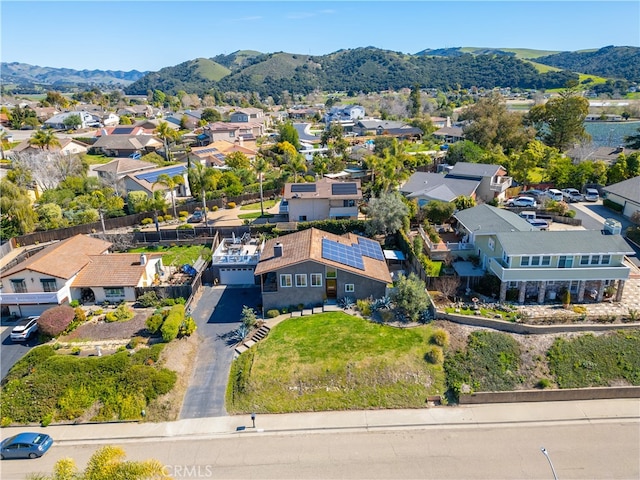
[149,35]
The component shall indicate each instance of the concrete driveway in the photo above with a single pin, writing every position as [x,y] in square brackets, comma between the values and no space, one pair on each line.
[217,313]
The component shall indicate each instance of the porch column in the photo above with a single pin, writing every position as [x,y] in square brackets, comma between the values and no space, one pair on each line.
[581,286]
[522,292]
[600,295]
[503,291]
[620,290]
[542,289]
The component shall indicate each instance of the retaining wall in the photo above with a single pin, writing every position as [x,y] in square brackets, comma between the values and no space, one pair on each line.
[567,394]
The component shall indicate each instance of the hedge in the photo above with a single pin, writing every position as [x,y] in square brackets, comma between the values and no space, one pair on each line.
[612,205]
[171,325]
[56,320]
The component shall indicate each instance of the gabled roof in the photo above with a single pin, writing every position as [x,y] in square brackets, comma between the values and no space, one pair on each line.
[147,178]
[627,189]
[63,259]
[449,132]
[115,270]
[438,187]
[476,170]
[126,142]
[324,188]
[563,242]
[306,245]
[485,219]
[124,165]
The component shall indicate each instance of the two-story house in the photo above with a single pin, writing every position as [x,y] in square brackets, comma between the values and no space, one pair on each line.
[145,181]
[311,266]
[324,199]
[493,179]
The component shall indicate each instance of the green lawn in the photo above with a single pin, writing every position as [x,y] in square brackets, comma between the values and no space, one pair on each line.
[253,215]
[256,206]
[97,159]
[334,361]
[175,255]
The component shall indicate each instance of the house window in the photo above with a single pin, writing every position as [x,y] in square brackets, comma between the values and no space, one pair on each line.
[349,287]
[348,203]
[546,260]
[524,261]
[301,279]
[535,261]
[331,273]
[491,244]
[565,261]
[513,285]
[114,292]
[285,280]
[19,285]
[302,218]
[595,259]
[584,260]
[606,259]
[316,279]
[48,285]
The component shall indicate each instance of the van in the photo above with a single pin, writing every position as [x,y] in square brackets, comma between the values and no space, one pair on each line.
[528,215]
[555,194]
[591,195]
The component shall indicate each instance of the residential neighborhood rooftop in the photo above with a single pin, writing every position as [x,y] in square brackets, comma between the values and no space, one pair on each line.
[570,242]
[484,219]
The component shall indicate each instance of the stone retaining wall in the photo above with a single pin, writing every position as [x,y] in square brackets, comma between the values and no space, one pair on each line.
[550,395]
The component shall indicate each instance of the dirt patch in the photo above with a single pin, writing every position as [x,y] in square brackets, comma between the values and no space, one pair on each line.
[96,330]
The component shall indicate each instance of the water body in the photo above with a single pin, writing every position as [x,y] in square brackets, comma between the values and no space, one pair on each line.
[610,134]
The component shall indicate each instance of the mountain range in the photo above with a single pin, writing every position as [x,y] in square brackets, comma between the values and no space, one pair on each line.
[360,69]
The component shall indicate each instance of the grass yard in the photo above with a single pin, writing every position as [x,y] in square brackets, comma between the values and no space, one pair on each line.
[334,361]
[253,216]
[256,206]
[486,312]
[96,159]
[174,255]
[46,386]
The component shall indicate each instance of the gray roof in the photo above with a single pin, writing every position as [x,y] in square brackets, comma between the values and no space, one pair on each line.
[485,219]
[375,123]
[438,187]
[449,131]
[627,189]
[564,242]
[475,169]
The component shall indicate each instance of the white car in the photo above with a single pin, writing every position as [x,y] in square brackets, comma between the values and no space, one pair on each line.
[25,329]
[591,195]
[529,202]
[572,195]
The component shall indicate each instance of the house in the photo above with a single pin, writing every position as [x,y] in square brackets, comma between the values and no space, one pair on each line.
[120,130]
[44,280]
[190,119]
[126,145]
[322,200]
[387,128]
[592,153]
[235,259]
[214,154]
[626,194]
[146,111]
[114,278]
[110,119]
[539,265]
[449,134]
[299,112]
[426,186]
[57,121]
[145,181]
[310,266]
[68,146]
[113,173]
[249,114]
[340,113]
[248,131]
[493,179]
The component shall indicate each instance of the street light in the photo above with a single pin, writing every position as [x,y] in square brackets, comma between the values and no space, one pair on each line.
[546,454]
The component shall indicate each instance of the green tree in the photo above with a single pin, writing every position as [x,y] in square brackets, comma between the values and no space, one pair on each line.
[333,138]
[465,151]
[136,201]
[167,135]
[203,179]
[237,160]
[50,216]
[56,99]
[386,213]
[560,121]
[437,211]
[211,115]
[159,98]
[411,296]
[44,139]
[72,122]
[633,141]
[125,120]
[17,216]
[618,171]
[462,202]
[296,164]
[415,106]
[288,133]
[171,183]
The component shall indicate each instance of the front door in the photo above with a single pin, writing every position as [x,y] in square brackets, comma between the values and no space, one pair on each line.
[332,287]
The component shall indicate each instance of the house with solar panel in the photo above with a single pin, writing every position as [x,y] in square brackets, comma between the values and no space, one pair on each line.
[123,145]
[144,181]
[311,266]
[322,200]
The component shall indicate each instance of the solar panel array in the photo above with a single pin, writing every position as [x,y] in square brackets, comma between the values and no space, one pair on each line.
[208,150]
[153,176]
[349,188]
[123,130]
[303,188]
[351,255]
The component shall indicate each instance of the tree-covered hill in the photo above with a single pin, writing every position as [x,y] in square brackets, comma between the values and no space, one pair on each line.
[613,62]
[22,73]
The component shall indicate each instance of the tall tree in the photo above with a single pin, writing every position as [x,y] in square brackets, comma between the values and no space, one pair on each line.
[166,134]
[171,183]
[288,133]
[44,139]
[633,141]
[560,121]
[260,166]
[415,106]
[17,216]
[386,213]
[237,160]
[203,179]
[296,164]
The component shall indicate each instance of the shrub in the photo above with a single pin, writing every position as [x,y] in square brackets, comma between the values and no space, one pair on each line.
[79,315]
[273,313]
[248,317]
[434,355]
[121,314]
[75,351]
[231,205]
[154,322]
[168,217]
[148,299]
[214,208]
[55,320]
[168,302]
[364,306]
[171,325]
[440,337]
[134,342]
[74,303]
[612,205]
[160,218]
[46,419]
[581,309]
[183,213]
[543,383]
[146,221]
[565,297]
[187,327]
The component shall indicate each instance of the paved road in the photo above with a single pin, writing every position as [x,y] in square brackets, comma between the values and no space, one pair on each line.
[11,352]
[579,449]
[217,313]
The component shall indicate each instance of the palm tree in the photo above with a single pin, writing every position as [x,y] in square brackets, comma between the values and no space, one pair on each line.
[171,183]
[296,164]
[166,133]
[203,178]
[260,166]
[44,139]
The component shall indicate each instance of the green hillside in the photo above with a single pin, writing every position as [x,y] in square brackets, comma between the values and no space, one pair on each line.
[276,66]
[210,70]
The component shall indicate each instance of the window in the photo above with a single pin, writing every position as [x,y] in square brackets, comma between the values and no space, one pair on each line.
[302,218]
[513,285]
[606,259]
[565,261]
[524,261]
[535,261]
[546,260]
[301,279]
[491,244]
[595,260]
[48,285]
[285,280]
[349,287]
[19,285]
[584,260]
[348,203]
[316,279]
[331,272]
[114,292]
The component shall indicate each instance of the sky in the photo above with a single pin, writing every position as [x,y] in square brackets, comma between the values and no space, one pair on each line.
[148,35]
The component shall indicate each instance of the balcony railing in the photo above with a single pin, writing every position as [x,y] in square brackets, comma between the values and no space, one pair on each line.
[31,298]
[506,274]
[500,184]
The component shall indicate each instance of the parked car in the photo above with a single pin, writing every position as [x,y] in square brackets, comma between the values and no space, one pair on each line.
[25,329]
[25,445]
[591,195]
[533,193]
[539,224]
[529,202]
[197,217]
[572,195]
[555,194]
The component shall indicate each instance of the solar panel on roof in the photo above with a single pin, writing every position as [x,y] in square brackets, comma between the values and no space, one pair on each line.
[371,248]
[349,188]
[153,176]
[122,130]
[343,254]
[303,188]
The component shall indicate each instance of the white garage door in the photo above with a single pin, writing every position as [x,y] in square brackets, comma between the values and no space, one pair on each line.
[237,276]
[629,208]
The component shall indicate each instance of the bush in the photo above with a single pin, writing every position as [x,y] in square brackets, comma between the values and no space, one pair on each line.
[543,383]
[168,302]
[171,325]
[364,306]
[214,208]
[434,355]
[154,322]
[55,320]
[273,313]
[74,303]
[160,218]
[148,299]
[168,217]
[183,213]
[248,317]
[121,314]
[75,351]
[79,315]
[146,221]
[440,337]
[612,205]
[231,205]
[187,327]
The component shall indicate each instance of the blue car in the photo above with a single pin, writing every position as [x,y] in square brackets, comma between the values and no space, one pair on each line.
[25,445]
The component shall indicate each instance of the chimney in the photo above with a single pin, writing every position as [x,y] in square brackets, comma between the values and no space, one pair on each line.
[143,259]
[448,122]
[241,141]
[277,250]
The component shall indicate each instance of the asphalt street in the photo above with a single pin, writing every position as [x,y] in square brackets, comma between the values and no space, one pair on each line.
[11,352]
[217,313]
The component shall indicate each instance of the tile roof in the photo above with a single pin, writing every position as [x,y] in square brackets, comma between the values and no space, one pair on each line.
[628,189]
[569,242]
[63,259]
[306,245]
[114,270]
